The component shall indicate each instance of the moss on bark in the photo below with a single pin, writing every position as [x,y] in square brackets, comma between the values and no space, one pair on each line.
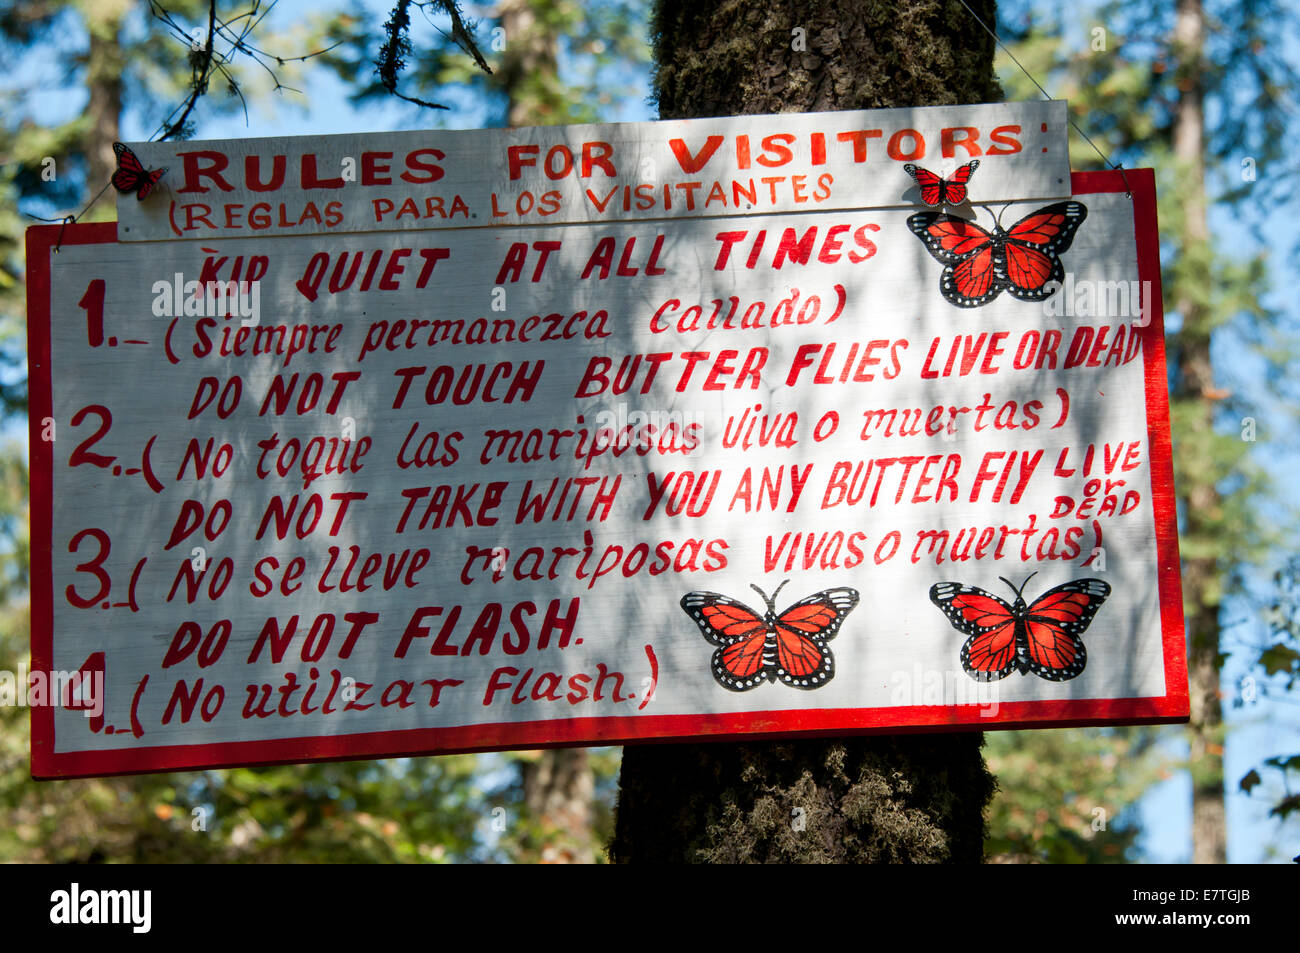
[885,799]
[731,57]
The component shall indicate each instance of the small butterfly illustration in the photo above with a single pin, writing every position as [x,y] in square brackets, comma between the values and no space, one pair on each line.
[940,191]
[1023,260]
[1042,637]
[131,175]
[755,648]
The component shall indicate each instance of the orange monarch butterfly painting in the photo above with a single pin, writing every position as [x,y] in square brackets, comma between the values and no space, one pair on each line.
[1042,637]
[1023,260]
[939,191]
[753,648]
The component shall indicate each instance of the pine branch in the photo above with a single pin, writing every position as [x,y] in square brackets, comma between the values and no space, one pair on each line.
[397,45]
[206,60]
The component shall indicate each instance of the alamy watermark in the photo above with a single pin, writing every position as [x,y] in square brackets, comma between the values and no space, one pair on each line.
[621,417]
[83,691]
[86,906]
[945,687]
[1085,298]
[208,299]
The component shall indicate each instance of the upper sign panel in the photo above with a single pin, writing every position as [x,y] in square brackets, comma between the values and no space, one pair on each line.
[805,162]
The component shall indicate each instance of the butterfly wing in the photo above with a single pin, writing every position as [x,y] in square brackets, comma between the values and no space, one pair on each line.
[929,184]
[955,188]
[1034,246]
[126,181]
[1053,626]
[802,631]
[126,159]
[740,633]
[148,184]
[970,253]
[990,652]
[131,175]
[975,281]
[948,239]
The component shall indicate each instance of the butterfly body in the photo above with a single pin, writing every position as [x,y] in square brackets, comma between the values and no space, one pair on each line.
[790,646]
[1042,637]
[1023,260]
[132,176]
[936,190]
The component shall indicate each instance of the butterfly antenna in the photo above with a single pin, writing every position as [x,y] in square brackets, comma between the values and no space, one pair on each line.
[1018,591]
[771,602]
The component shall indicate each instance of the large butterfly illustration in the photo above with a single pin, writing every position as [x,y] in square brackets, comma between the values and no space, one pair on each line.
[755,648]
[939,191]
[131,175]
[1042,637]
[1023,260]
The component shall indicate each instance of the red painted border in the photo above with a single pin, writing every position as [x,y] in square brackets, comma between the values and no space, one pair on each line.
[1142,185]
[1173,706]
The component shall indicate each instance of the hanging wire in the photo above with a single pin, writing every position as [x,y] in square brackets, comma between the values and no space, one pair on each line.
[66,219]
[1086,138]
[70,219]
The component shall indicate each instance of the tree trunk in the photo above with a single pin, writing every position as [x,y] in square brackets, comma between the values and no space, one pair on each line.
[105,62]
[530,73]
[911,798]
[558,791]
[558,785]
[1202,577]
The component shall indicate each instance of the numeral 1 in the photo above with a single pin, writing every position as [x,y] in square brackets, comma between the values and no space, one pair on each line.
[93,302]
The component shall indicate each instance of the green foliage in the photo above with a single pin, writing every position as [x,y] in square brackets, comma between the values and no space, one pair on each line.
[1069,795]
[425,810]
[1281,658]
[1125,80]
[1124,94]
[529,838]
[1278,653]
[598,44]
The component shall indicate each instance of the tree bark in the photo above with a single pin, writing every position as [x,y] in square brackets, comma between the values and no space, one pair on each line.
[1201,504]
[912,798]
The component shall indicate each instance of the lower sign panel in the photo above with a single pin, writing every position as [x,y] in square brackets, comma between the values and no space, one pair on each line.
[436,491]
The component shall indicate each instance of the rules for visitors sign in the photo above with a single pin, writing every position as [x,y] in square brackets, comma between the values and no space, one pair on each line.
[320,185]
[895,458]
